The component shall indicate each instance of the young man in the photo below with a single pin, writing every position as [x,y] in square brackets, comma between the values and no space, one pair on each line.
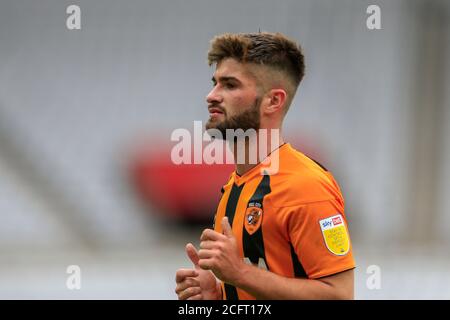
[279,235]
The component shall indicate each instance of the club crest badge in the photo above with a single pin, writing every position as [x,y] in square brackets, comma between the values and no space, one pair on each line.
[253,219]
[335,235]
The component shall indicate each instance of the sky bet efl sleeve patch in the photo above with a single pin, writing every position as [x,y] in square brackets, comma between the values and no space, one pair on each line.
[335,235]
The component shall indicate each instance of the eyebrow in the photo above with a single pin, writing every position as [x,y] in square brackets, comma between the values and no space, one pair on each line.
[224,79]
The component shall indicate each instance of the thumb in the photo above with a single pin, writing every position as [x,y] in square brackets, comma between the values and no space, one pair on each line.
[226,228]
[192,254]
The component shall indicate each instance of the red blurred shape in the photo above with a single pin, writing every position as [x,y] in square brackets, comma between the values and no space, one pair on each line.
[189,192]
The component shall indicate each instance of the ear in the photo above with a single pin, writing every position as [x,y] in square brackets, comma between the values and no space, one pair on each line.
[276,100]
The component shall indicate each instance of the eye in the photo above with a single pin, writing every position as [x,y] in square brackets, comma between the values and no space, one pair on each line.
[229,85]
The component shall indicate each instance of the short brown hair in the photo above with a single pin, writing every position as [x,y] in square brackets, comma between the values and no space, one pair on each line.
[270,49]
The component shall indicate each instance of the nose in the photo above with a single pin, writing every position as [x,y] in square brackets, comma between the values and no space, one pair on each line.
[214,96]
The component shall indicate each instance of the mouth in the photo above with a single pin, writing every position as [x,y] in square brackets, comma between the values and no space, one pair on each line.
[215,111]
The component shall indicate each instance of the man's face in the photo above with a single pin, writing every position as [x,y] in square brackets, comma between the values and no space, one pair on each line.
[233,103]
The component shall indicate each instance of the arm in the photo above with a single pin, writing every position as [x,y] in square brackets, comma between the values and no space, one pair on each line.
[264,284]
[219,253]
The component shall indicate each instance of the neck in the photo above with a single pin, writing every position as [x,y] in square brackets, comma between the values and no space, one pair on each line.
[249,152]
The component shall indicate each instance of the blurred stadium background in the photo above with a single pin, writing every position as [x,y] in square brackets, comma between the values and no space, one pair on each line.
[82,113]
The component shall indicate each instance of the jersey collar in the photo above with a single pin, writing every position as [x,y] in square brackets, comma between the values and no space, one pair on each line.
[258,168]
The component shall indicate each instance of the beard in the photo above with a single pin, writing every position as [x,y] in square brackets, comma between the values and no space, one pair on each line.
[247,119]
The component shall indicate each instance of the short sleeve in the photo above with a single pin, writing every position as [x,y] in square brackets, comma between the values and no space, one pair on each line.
[319,235]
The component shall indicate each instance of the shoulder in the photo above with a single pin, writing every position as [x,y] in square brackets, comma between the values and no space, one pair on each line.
[301,180]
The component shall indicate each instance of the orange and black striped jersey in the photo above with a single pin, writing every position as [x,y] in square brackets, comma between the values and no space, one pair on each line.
[291,223]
